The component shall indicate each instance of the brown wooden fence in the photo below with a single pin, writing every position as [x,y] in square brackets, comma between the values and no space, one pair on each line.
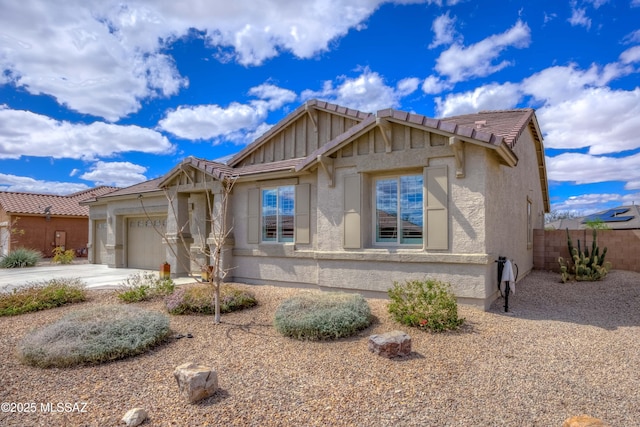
[623,247]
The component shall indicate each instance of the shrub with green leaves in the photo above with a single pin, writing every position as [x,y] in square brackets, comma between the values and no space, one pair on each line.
[41,296]
[20,257]
[96,335]
[198,299]
[322,315]
[425,304]
[143,287]
[60,256]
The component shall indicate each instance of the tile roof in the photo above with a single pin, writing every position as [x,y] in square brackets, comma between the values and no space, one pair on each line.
[508,124]
[143,187]
[55,205]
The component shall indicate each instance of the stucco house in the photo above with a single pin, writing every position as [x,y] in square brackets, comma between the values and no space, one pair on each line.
[335,198]
[44,221]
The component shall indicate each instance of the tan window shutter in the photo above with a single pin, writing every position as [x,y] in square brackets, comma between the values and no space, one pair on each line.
[253,217]
[352,225]
[436,217]
[302,207]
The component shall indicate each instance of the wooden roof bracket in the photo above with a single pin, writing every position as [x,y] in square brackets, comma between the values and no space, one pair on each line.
[313,115]
[327,165]
[458,152]
[385,130]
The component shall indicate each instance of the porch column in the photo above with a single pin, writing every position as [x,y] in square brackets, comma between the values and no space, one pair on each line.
[178,235]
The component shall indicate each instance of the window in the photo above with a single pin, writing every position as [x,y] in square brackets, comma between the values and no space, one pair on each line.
[278,210]
[399,210]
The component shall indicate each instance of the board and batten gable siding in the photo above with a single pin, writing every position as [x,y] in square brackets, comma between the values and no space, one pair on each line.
[300,138]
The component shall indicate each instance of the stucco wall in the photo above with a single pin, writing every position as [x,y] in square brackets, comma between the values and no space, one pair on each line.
[326,263]
[506,194]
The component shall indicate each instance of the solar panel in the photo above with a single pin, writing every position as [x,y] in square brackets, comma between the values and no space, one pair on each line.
[609,216]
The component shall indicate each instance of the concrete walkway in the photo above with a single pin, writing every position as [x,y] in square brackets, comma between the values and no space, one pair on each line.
[94,275]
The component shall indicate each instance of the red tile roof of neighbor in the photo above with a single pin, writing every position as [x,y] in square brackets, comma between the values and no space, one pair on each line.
[55,205]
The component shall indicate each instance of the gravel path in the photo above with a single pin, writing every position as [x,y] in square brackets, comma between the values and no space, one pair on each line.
[565,350]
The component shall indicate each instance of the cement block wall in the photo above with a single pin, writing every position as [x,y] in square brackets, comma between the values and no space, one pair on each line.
[623,247]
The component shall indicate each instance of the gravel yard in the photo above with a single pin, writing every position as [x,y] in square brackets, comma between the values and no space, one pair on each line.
[566,349]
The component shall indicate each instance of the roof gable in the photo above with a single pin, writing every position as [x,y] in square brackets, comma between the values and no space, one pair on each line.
[307,128]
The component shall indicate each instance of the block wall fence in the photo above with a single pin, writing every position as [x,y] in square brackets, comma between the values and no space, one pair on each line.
[623,247]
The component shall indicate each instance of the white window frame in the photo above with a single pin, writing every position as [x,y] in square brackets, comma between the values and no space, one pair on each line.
[279,236]
[374,200]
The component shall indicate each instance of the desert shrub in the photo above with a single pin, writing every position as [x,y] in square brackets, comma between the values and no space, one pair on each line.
[96,335]
[20,257]
[60,256]
[41,296]
[198,299]
[322,316]
[425,304]
[144,286]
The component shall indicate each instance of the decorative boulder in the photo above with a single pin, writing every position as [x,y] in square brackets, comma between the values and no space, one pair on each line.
[390,344]
[134,417]
[196,382]
[584,421]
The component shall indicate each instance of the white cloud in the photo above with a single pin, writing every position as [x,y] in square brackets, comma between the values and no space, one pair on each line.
[444,31]
[204,122]
[433,85]
[585,204]
[602,119]
[581,168]
[29,185]
[233,123]
[461,63]
[632,37]
[630,55]
[560,83]
[635,3]
[23,133]
[368,92]
[275,96]
[488,97]
[103,57]
[579,18]
[117,174]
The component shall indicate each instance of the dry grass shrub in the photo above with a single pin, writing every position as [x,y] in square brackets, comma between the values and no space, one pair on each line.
[41,296]
[199,299]
[96,335]
[322,315]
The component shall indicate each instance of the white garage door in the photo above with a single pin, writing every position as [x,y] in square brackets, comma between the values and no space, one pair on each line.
[100,242]
[144,242]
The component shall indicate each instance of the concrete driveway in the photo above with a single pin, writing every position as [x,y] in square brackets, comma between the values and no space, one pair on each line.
[95,276]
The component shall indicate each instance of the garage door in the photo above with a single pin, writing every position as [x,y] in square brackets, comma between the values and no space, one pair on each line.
[144,242]
[4,241]
[100,243]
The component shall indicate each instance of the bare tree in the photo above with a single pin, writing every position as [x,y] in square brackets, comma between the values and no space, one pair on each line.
[206,250]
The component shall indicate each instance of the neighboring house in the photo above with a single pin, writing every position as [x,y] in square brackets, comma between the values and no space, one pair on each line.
[45,221]
[620,218]
[340,199]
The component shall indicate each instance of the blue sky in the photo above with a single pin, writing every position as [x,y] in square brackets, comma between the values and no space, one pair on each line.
[102,92]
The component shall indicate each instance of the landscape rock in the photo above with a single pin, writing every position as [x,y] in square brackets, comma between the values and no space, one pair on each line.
[196,382]
[134,417]
[390,344]
[584,421]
